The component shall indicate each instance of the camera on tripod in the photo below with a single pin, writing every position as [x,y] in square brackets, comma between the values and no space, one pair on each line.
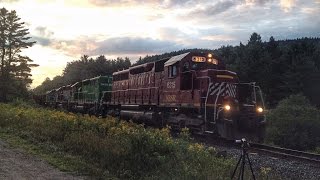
[243,140]
[244,143]
[242,160]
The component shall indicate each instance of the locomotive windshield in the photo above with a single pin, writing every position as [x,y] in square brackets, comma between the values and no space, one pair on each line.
[202,66]
[250,94]
[246,94]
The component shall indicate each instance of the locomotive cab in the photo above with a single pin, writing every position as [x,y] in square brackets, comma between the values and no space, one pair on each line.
[205,97]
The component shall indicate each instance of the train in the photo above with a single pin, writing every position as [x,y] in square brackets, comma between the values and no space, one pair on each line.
[192,90]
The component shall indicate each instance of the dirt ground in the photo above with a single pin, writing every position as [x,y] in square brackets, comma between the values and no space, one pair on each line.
[17,164]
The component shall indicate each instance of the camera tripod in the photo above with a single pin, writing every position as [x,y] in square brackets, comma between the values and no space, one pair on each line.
[242,159]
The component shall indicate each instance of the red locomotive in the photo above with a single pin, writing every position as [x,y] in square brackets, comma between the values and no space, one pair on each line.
[191,90]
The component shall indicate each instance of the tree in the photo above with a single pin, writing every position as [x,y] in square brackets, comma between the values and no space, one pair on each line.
[14,68]
[294,123]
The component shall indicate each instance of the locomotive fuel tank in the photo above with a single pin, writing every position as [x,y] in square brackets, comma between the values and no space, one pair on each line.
[147,117]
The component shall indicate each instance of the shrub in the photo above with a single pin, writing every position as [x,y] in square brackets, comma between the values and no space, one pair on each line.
[123,149]
[294,124]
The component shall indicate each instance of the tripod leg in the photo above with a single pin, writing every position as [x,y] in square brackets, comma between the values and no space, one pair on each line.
[240,171]
[235,169]
[243,165]
[254,178]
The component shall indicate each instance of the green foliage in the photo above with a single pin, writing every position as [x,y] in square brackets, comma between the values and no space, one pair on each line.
[281,68]
[30,103]
[121,149]
[294,124]
[317,150]
[14,68]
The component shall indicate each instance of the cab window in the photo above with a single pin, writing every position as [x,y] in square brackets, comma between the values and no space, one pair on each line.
[172,71]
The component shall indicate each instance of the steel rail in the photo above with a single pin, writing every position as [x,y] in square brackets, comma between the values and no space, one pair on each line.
[278,151]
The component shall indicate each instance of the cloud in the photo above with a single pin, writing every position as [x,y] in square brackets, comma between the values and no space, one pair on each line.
[111,2]
[218,38]
[171,33]
[44,31]
[158,3]
[41,40]
[287,5]
[76,47]
[117,46]
[210,10]
[179,3]
[256,2]
[9,1]
[42,35]
[218,8]
[134,45]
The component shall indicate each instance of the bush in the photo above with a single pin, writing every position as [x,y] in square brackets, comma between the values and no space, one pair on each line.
[123,149]
[294,124]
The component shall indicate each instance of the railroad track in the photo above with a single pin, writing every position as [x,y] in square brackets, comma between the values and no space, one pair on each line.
[265,149]
[259,148]
[287,153]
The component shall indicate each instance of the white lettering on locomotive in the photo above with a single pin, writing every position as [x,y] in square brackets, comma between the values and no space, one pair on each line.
[171,85]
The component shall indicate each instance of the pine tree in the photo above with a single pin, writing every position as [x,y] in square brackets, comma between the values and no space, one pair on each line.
[15,69]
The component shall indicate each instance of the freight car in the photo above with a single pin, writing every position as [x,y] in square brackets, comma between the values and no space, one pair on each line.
[191,90]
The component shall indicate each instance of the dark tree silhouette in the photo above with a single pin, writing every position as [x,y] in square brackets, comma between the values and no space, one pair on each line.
[14,68]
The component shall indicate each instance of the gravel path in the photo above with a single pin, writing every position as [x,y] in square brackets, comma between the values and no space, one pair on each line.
[16,164]
[283,168]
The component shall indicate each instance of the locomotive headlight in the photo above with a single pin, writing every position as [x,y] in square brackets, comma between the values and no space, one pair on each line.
[209,60]
[260,109]
[227,107]
[209,55]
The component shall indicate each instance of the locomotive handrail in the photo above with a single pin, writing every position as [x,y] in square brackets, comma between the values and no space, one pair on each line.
[187,71]
[254,92]
[218,70]
[205,103]
[132,89]
[260,92]
[215,104]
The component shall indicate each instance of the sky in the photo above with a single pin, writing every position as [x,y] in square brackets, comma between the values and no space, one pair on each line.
[67,29]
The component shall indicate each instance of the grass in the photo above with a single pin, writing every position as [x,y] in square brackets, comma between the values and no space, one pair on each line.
[107,148]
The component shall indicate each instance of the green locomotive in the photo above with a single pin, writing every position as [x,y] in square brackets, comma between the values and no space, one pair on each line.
[83,96]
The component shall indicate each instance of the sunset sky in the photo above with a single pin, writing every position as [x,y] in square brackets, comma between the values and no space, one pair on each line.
[65,30]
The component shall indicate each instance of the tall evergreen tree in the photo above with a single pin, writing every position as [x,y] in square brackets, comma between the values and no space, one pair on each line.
[14,68]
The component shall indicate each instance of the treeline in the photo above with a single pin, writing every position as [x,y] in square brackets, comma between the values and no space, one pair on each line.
[84,68]
[280,68]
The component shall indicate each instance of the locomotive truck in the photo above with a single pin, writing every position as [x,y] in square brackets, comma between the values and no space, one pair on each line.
[192,90]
